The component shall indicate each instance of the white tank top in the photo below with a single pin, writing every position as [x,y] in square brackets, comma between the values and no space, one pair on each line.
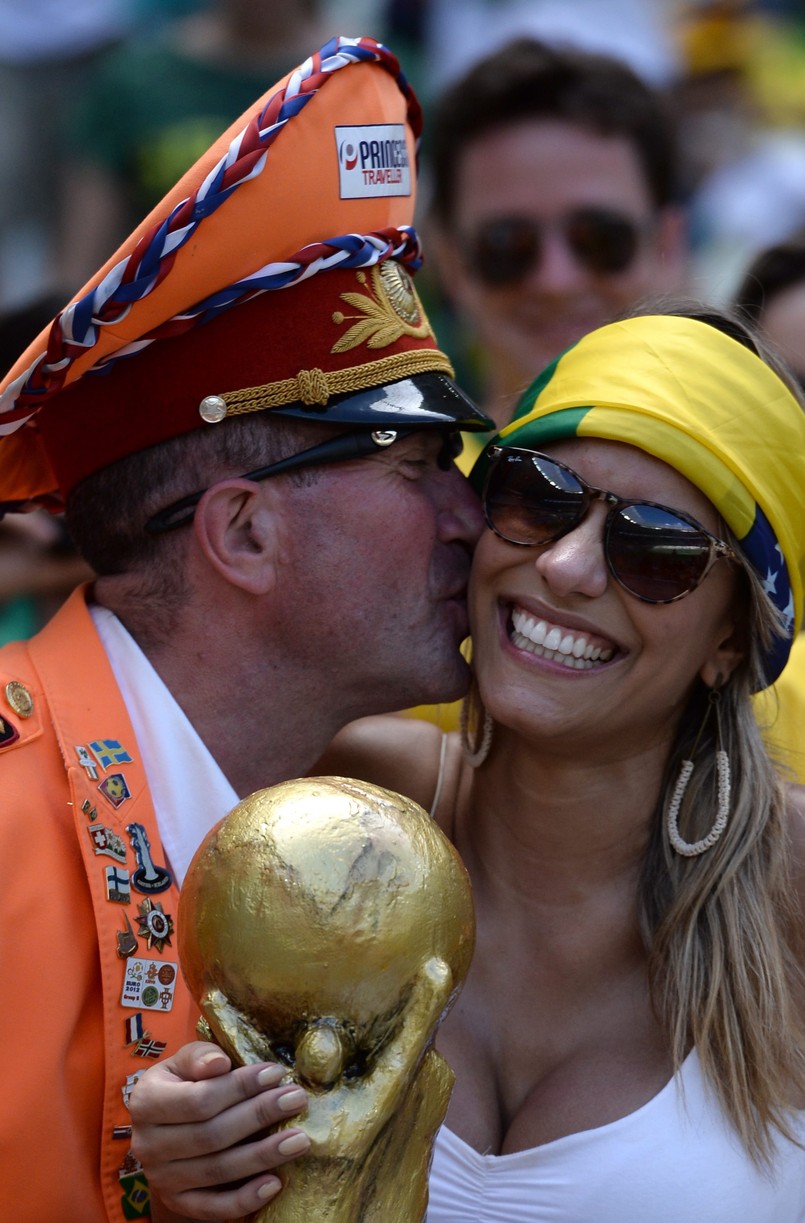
[675,1160]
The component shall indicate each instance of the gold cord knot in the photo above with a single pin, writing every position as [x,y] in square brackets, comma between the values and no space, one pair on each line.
[313,386]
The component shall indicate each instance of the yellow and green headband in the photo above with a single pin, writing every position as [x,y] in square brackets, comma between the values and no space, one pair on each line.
[688,394]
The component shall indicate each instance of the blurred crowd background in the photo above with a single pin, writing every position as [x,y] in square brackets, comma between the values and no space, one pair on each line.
[104,103]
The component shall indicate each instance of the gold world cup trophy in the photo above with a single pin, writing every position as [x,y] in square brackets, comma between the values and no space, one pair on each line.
[327,924]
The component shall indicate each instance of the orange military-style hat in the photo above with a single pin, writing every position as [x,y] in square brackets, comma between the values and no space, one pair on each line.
[275,275]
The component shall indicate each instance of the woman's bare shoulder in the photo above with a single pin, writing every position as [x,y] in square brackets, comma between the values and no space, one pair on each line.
[393,750]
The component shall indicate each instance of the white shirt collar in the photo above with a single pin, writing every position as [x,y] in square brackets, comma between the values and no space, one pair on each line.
[189,791]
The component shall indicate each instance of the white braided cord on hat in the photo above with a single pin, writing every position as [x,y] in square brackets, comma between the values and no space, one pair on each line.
[77,328]
[347,250]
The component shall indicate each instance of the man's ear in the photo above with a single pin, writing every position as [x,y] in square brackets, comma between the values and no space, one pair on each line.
[238,526]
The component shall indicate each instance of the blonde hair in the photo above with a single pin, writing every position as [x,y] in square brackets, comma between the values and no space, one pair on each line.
[720,927]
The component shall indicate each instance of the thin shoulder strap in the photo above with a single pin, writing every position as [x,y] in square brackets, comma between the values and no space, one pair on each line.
[440,779]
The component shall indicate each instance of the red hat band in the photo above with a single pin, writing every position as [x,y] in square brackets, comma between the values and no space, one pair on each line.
[328,336]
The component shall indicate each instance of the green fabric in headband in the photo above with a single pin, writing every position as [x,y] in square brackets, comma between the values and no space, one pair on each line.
[687,394]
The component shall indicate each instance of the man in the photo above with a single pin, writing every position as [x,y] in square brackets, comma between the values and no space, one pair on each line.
[252,430]
[552,204]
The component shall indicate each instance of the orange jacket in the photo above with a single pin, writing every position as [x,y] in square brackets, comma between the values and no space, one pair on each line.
[88,962]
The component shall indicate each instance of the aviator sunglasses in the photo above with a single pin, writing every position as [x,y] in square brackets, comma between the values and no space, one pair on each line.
[656,553]
[504,250]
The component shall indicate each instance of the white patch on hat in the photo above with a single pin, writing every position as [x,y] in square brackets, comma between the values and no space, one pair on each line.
[372,160]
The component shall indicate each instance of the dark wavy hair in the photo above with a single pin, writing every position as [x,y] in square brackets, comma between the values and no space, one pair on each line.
[527,79]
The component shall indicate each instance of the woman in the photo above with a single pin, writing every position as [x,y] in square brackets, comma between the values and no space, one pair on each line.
[629,1043]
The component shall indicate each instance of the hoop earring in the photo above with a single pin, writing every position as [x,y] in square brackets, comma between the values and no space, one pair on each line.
[689,849]
[475,756]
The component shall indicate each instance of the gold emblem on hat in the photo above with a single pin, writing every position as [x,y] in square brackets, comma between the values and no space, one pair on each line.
[399,289]
[392,311]
[19,698]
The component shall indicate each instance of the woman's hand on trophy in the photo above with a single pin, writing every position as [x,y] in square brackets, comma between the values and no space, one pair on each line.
[198,1128]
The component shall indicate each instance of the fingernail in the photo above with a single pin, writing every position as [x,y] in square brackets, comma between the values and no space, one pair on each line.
[269,1190]
[292,1100]
[294,1144]
[213,1056]
[269,1076]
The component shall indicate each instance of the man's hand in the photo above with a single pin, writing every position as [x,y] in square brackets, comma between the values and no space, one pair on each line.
[198,1130]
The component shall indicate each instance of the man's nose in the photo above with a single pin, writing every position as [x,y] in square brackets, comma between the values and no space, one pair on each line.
[556,267]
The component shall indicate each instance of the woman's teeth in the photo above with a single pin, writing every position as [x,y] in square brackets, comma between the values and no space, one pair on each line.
[549,641]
